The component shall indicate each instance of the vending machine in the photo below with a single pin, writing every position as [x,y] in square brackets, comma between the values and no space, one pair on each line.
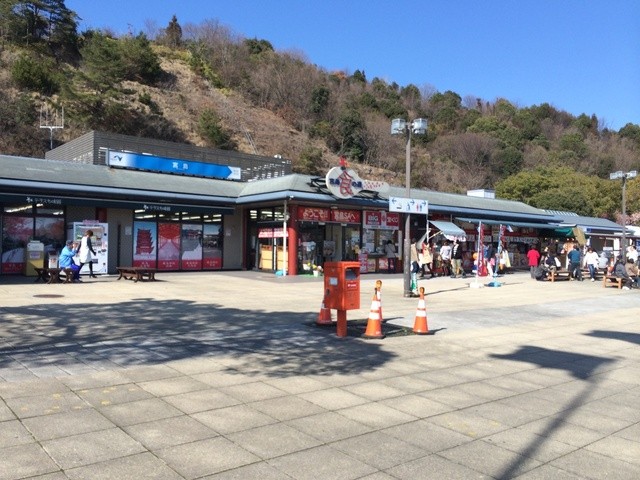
[99,242]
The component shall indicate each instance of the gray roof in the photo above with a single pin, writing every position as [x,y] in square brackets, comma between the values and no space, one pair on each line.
[70,178]
[59,177]
[306,187]
[588,224]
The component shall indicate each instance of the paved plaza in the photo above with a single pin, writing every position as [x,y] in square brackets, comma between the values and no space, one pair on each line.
[226,376]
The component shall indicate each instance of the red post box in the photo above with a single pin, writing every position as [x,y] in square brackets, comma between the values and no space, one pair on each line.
[342,290]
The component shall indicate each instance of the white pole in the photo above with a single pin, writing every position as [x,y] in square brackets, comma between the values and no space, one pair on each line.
[284,239]
[407,219]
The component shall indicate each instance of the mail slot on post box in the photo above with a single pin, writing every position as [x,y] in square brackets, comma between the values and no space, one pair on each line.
[342,285]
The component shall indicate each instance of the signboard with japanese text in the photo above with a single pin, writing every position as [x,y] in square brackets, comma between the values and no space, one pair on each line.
[381,220]
[345,216]
[345,183]
[277,232]
[172,165]
[313,214]
[408,205]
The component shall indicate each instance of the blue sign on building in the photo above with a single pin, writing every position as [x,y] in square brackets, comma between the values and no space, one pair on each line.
[172,165]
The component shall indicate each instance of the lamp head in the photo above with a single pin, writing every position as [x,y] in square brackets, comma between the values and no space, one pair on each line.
[398,126]
[419,126]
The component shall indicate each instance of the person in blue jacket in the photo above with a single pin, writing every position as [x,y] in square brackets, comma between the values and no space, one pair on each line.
[575,263]
[66,259]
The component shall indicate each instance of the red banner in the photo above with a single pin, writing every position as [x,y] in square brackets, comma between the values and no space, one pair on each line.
[168,246]
[381,220]
[313,214]
[345,216]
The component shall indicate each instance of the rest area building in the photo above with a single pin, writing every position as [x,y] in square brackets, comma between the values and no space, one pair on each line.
[177,207]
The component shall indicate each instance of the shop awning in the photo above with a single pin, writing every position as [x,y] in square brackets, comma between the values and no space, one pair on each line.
[513,223]
[448,228]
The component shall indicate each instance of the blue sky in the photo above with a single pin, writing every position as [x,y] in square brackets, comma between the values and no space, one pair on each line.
[581,56]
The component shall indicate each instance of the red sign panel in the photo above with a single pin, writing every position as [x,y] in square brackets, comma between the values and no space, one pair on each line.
[313,214]
[271,233]
[381,220]
[345,216]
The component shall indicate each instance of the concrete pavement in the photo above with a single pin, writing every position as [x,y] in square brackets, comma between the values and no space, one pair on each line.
[224,375]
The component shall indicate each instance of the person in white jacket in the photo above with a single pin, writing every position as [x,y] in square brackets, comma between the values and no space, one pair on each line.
[86,249]
[592,261]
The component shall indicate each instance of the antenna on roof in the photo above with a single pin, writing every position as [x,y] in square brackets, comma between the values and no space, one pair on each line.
[52,119]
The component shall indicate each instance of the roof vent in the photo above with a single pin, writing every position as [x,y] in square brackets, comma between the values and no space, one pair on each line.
[481,193]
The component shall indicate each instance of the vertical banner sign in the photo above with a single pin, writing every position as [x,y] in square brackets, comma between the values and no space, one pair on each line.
[145,240]
[480,268]
[191,245]
[168,246]
[500,240]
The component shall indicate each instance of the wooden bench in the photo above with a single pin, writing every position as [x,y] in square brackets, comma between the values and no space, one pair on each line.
[52,275]
[137,273]
[555,275]
[612,281]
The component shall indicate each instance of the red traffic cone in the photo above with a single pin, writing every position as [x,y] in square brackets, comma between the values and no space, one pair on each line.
[374,327]
[420,326]
[324,317]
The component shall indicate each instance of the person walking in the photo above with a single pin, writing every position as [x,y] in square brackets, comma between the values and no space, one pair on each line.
[390,250]
[490,259]
[415,267]
[445,256]
[427,259]
[575,270]
[533,256]
[592,261]
[456,260]
[86,249]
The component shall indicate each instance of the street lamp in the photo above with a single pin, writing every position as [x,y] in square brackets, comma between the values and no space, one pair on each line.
[624,176]
[402,127]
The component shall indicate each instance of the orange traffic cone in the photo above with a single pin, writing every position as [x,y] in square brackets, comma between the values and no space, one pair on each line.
[379,295]
[324,317]
[374,327]
[420,326]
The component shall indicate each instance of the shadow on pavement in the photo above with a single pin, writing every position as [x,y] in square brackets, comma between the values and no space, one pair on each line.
[626,336]
[148,331]
[580,366]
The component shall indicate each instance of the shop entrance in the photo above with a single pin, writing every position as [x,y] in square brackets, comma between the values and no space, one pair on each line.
[311,243]
[270,249]
[265,239]
[343,243]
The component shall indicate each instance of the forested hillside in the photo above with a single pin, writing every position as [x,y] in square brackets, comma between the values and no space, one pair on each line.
[206,85]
